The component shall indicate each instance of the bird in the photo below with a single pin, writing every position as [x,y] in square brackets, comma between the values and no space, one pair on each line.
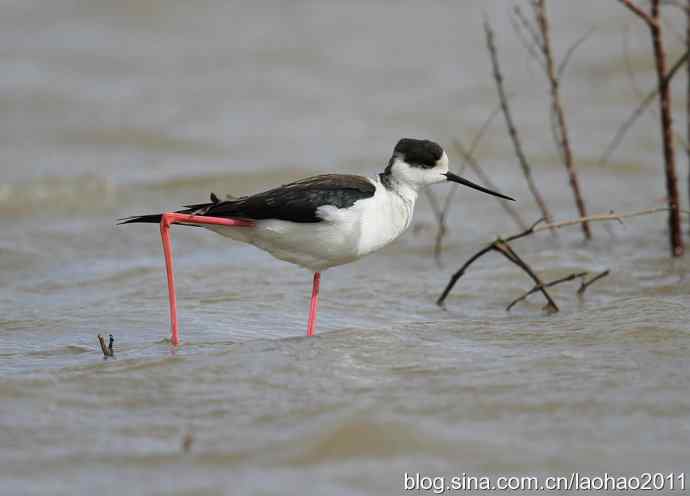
[321,221]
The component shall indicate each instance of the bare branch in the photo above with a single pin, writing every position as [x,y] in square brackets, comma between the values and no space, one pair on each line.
[648,100]
[510,254]
[107,350]
[585,284]
[546,285]
[600,218]
[639,12]
[520,26]
[470,153]
[486,181]
[512,131]
[568,55]
[538,227]
[442,213]
[564,140]
[531,30]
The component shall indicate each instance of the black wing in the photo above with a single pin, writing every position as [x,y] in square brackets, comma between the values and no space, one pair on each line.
[296,202]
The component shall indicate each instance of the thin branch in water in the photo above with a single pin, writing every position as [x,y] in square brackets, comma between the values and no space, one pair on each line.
[550,284]
[531,45]
[106,349]
[525,26]
[585,284]
[473,146]
[512,131]
[653,21]
[641,108]
[486,181]
[638,11]
[568,55]
[187,441]
[440,219]
[564,140]
[504,248]
[640,94]
[538,227]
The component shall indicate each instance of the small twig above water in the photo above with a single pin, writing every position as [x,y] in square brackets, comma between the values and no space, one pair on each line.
[585,284]
[510,254]
[107,350]
[498,244]
[546,285]
[187,441]
[654,23]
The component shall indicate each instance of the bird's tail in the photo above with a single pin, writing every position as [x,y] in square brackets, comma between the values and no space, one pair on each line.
[153,219]
[199,208]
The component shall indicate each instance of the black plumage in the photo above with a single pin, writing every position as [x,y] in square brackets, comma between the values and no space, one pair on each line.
[295,202]
[417,153]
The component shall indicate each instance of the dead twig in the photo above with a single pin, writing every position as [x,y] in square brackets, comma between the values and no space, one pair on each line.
[569,53]
[441,220]
[510,254]
[640,94]
[550,284]
[653,21]
[585,284]
[531,43]
[512,131]
[535,228]
[561,126]
[187,441]
[639,110]
[486,181]
[534,44]
[107,350]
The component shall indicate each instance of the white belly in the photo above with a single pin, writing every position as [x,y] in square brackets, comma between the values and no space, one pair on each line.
[342,237]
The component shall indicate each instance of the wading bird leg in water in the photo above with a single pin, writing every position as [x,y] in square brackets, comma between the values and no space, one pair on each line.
[167,219]
[314,304]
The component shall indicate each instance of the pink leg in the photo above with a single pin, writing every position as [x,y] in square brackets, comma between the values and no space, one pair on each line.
[314,304]
[172,299]
[167,219]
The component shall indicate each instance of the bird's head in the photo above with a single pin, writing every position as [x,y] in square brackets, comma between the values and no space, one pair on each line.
[418,163]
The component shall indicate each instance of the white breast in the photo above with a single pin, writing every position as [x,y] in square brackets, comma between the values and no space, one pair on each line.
[342,237]
[384,217]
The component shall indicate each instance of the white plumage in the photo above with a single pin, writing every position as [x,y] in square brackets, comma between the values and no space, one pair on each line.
[344,234]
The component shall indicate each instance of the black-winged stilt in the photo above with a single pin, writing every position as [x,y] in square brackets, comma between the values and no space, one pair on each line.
[321,221]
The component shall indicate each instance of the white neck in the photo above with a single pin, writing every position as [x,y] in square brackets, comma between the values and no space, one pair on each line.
[406,191]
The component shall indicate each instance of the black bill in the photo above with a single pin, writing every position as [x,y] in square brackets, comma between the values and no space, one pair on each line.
[457,179]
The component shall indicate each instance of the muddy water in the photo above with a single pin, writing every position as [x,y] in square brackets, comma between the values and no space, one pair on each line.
[118,108]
